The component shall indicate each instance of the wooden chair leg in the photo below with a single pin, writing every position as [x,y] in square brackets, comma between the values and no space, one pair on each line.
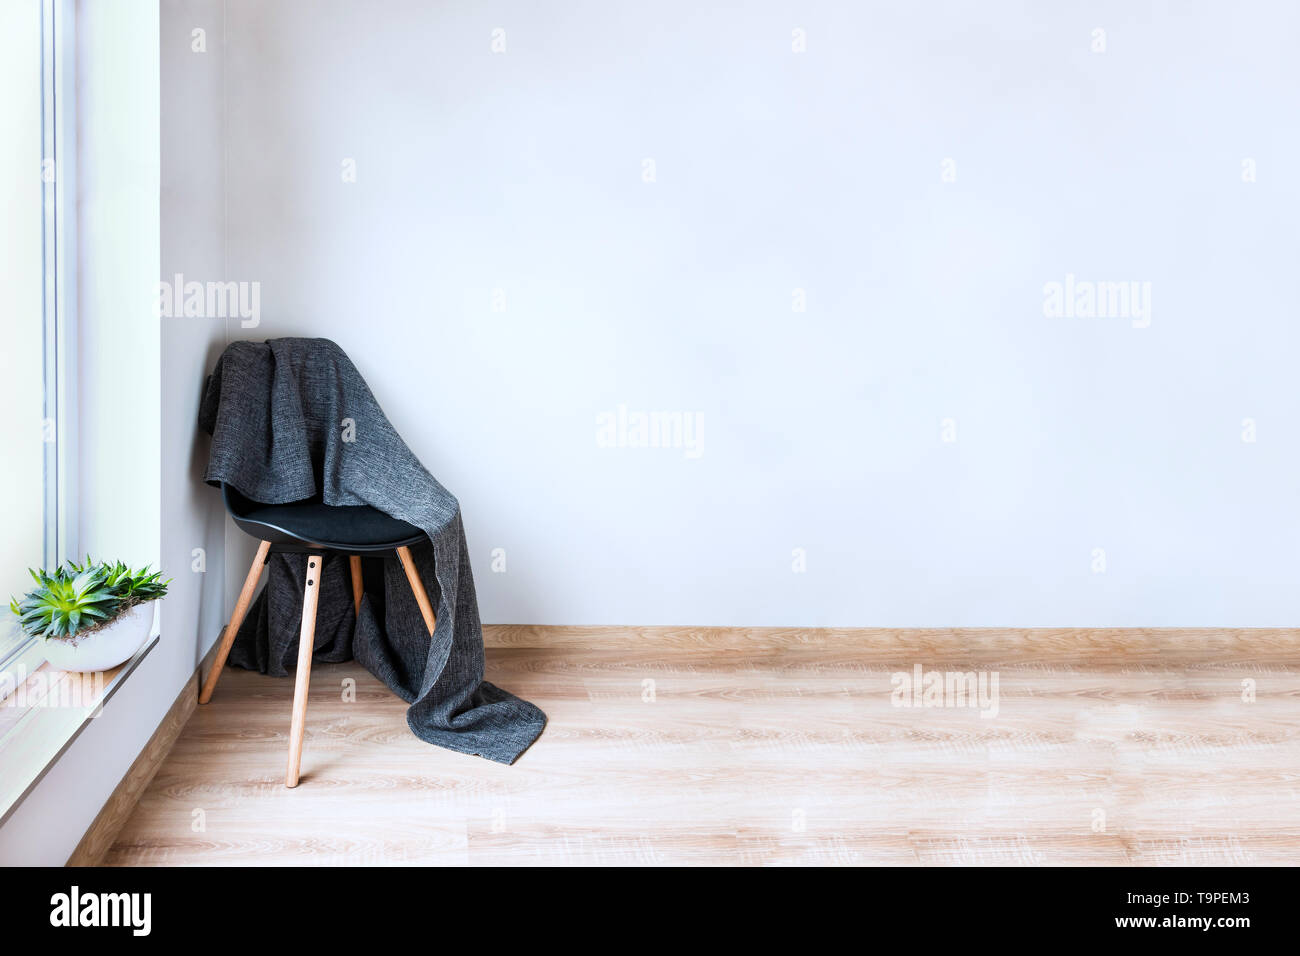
[236,619]
[302,679]
[355,562]
[421,598]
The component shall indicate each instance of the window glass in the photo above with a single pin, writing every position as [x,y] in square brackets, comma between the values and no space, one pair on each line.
[26,414]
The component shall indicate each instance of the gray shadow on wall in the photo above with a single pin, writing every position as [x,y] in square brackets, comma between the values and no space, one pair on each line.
[206,502]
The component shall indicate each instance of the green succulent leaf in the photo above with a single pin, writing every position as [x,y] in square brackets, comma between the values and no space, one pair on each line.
[76,597]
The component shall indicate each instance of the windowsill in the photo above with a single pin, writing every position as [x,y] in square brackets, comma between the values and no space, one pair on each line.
[41,719]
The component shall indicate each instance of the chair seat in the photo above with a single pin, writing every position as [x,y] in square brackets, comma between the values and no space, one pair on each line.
[338,527]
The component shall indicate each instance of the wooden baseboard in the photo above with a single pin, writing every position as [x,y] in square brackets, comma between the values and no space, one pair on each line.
[1092,647]
[117,810]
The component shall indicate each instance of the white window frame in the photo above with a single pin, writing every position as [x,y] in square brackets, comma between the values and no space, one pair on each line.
[58,29]
[59,297]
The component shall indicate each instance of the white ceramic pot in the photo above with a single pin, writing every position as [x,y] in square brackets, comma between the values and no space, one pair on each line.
[104,648]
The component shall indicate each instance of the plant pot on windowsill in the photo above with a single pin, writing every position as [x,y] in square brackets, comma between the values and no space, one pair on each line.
[90,616]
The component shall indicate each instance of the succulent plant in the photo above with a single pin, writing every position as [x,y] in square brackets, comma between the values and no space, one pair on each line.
[131,587]
[76,598]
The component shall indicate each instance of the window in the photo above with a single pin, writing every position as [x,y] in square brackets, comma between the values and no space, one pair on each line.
[35,301]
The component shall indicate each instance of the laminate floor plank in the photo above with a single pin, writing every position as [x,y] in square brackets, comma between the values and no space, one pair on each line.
[697,747]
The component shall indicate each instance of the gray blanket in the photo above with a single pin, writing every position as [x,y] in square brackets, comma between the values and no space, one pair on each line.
[292,419]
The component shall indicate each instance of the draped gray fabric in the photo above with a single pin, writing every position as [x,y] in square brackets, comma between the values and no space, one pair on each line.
[276,411]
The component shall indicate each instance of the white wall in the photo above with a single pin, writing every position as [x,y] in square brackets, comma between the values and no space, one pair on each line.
[192,230]
[522,171]
[117,265]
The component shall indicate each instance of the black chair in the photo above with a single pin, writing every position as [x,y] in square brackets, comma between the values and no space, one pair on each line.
[315,529]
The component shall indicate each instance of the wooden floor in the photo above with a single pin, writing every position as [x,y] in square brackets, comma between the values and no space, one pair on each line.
[765,748]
